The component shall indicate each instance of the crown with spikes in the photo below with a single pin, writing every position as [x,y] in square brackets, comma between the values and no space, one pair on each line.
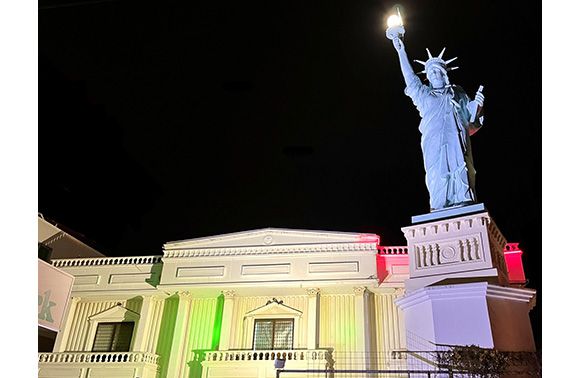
[438,60]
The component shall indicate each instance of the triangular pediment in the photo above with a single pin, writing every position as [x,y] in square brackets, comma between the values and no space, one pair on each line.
[274,308]
[271,237]
[116,313]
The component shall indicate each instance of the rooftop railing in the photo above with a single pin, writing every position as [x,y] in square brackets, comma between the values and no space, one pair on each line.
[101,261]
[393,250]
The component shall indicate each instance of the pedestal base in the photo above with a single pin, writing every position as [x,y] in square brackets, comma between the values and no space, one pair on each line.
[482,314]
[464,248]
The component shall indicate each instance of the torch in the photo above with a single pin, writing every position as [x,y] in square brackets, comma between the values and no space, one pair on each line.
[395,28]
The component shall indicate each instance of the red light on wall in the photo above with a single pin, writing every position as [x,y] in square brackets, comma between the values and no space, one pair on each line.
[392,264]
[513,260]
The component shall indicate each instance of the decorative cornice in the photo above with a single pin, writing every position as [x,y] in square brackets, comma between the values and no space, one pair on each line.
[471,290]
[271,250]
[514,294]
[447,225]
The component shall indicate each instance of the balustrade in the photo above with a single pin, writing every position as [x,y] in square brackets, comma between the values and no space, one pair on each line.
[267,355]
[103,261]
[97,358]
[393,250]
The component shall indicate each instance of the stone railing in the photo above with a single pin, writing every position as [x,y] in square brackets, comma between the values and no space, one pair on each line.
[98,261]
[393,250]
[96,358]
[268,355]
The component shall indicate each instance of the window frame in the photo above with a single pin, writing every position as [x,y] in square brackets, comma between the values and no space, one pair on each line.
[273,320]
[113,314]
[116,331]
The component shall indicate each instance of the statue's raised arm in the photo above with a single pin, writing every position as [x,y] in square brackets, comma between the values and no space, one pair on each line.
[406,68]
[448,118]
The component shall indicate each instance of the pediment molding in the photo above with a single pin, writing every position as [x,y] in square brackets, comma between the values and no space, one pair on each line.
[273,309]
[117,313]
[270,237]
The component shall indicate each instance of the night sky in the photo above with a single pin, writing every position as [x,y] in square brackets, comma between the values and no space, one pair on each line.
[162,121]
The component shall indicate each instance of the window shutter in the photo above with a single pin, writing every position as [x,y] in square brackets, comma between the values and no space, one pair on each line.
[122,339]
[113,337]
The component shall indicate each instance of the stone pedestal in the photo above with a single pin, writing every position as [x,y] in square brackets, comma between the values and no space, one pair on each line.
[480,313]
[456,293]
[462,248]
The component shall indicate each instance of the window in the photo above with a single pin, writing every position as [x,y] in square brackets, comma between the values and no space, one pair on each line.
[273,333]
[113,337]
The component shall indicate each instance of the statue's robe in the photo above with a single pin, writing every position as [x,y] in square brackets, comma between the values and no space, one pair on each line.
[445,131]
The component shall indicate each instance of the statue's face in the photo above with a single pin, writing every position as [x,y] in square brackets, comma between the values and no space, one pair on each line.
[437,76]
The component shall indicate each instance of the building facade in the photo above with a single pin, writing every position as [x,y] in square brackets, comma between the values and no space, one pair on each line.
[232,305]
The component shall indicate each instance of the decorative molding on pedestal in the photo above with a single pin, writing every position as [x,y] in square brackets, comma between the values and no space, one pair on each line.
[448,248]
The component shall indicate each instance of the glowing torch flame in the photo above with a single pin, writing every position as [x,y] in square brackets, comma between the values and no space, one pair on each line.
[394,20]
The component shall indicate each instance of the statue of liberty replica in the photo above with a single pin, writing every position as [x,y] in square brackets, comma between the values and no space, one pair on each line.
[448,119]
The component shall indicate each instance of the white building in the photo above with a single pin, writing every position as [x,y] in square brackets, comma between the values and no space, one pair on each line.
[54,286]
[229,305]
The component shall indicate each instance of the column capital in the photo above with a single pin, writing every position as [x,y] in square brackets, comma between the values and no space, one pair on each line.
[75,300]
[229,293]
[312,291]
[399,292]
[359,290]
[183,295]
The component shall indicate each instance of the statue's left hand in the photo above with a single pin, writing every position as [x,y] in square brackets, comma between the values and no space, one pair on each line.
[476,104]
[479,98]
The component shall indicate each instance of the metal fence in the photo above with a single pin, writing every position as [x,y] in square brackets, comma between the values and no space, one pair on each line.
[412,364]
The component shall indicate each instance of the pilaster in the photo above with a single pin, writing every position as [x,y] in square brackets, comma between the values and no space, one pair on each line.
[62,335]
[225,333]
[141,336]
[361,320]
[313,317]
[176,365]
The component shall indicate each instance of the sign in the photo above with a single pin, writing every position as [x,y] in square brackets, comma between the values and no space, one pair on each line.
[54,290]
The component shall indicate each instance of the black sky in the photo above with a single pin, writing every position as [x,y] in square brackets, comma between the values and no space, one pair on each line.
[162,121]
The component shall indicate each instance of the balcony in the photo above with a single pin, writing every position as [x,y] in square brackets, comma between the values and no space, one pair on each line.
[83,364]
[260,363]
